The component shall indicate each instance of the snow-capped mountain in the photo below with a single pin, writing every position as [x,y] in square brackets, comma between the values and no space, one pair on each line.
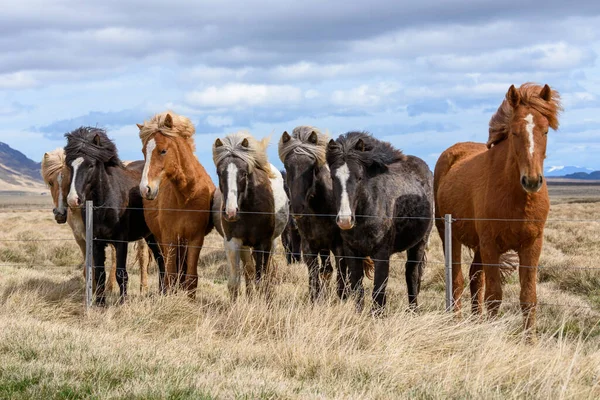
[561,170]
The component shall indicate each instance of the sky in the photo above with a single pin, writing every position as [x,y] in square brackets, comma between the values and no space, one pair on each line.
[421,75]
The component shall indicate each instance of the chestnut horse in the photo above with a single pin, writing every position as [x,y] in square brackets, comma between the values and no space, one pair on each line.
[498,196]
[177,192]
[57,176]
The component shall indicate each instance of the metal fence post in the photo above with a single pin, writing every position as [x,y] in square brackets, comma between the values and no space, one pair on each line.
[89,245]
[448,260]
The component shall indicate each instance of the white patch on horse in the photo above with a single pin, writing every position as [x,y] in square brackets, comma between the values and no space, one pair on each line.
[72,196]
[232,250]
[343,173]
[231,206]
[529,127]
[61,203]
[281,201]
[150,146]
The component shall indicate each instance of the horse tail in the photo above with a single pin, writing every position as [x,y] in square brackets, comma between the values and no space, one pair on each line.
[368,267]
[509,262]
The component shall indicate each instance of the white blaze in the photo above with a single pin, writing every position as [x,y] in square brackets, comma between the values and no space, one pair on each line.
[231,205]
[60,205]
[150,146]
[343,173]
[529,127]
[72,196]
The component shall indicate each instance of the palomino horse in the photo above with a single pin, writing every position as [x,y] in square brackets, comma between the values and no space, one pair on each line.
[250,209]
[57,176]
[498,197]
[177,192]
[98,174]
[385,205]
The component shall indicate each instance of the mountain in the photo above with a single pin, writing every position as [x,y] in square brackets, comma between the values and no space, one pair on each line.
[593,176]
[18,173]
[565,170]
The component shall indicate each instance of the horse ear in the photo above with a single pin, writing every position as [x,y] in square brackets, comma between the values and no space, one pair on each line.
[245,142]
[218,143]
[140,126]
[546,93]
[331,143]
[285,137]
[97,140]
[513,96]
[360,145]
[313,138]
[168,121]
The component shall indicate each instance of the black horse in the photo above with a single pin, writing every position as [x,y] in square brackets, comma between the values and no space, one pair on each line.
[313,205]
[98,174]
[384,202]
[290,238]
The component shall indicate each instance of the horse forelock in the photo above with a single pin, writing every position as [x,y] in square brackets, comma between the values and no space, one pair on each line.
[182,128]
[52,163]
[299,144]
[80,143]
[376,152]
[499,126]
[254,155]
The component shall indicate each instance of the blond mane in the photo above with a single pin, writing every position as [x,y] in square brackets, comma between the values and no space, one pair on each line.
[182,127]
[299,143]
[254,154]
[530,97]
[52,163]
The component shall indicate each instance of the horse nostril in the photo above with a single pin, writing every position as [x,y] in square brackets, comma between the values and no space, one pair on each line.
[523,181]
[541,180]
[148,189]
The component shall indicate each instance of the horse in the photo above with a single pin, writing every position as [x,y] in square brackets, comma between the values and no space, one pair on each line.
[384,203]
[98,174]
[56,175]
[312,205]
[250,208]
[498,197]
[290,238]
[177,193]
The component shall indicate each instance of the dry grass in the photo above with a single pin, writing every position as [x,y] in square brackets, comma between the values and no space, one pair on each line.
[171,347]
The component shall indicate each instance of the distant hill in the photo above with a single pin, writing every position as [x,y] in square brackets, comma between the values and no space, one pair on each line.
[593,176]
[562,171]
[19,173]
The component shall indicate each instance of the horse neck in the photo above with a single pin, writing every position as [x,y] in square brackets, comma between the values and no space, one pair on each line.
[255,191]
[324,200]
[188,181]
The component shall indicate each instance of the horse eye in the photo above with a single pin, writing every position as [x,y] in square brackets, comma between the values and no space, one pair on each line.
[51,184]
[545,133]
[163,152]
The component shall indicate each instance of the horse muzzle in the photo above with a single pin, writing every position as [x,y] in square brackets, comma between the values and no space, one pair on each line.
[345,222]
[148,193]
[231,215]
[532,184]
[60,217]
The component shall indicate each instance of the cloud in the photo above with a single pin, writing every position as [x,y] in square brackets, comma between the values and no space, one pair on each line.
[240,94]
[365,95]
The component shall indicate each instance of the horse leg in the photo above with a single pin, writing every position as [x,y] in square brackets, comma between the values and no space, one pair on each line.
[493,284]
[326,267]
[232,250]
[112,274]
[312,263]
[476,284]
[249,270]
[99,273]
[342,273]
[380,280]
[415,260]
[191,277]
[262,258]
[171,266]
[122,276]
[458,282]
[296,245]
[143,259]
[160,261]
[355,276]
[529,258]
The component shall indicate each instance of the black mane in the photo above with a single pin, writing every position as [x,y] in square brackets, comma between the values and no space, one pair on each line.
[376,153]
[82,142]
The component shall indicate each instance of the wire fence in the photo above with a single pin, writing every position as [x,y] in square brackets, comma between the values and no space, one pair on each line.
[447,263]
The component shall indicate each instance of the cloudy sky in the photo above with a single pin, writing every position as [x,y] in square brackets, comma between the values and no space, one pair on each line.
[420,74]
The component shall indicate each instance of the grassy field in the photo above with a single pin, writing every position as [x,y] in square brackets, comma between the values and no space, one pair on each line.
[158,347]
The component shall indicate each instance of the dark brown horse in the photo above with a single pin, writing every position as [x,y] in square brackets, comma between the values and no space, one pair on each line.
[498,196]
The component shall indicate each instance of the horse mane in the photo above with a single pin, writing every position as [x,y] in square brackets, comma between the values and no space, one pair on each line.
[182,127]
[376,152]
[82,143]
[255,154]
[530,97]
[299,143]
[52,162]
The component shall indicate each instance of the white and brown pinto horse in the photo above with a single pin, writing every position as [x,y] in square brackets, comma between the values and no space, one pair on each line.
[250,208]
